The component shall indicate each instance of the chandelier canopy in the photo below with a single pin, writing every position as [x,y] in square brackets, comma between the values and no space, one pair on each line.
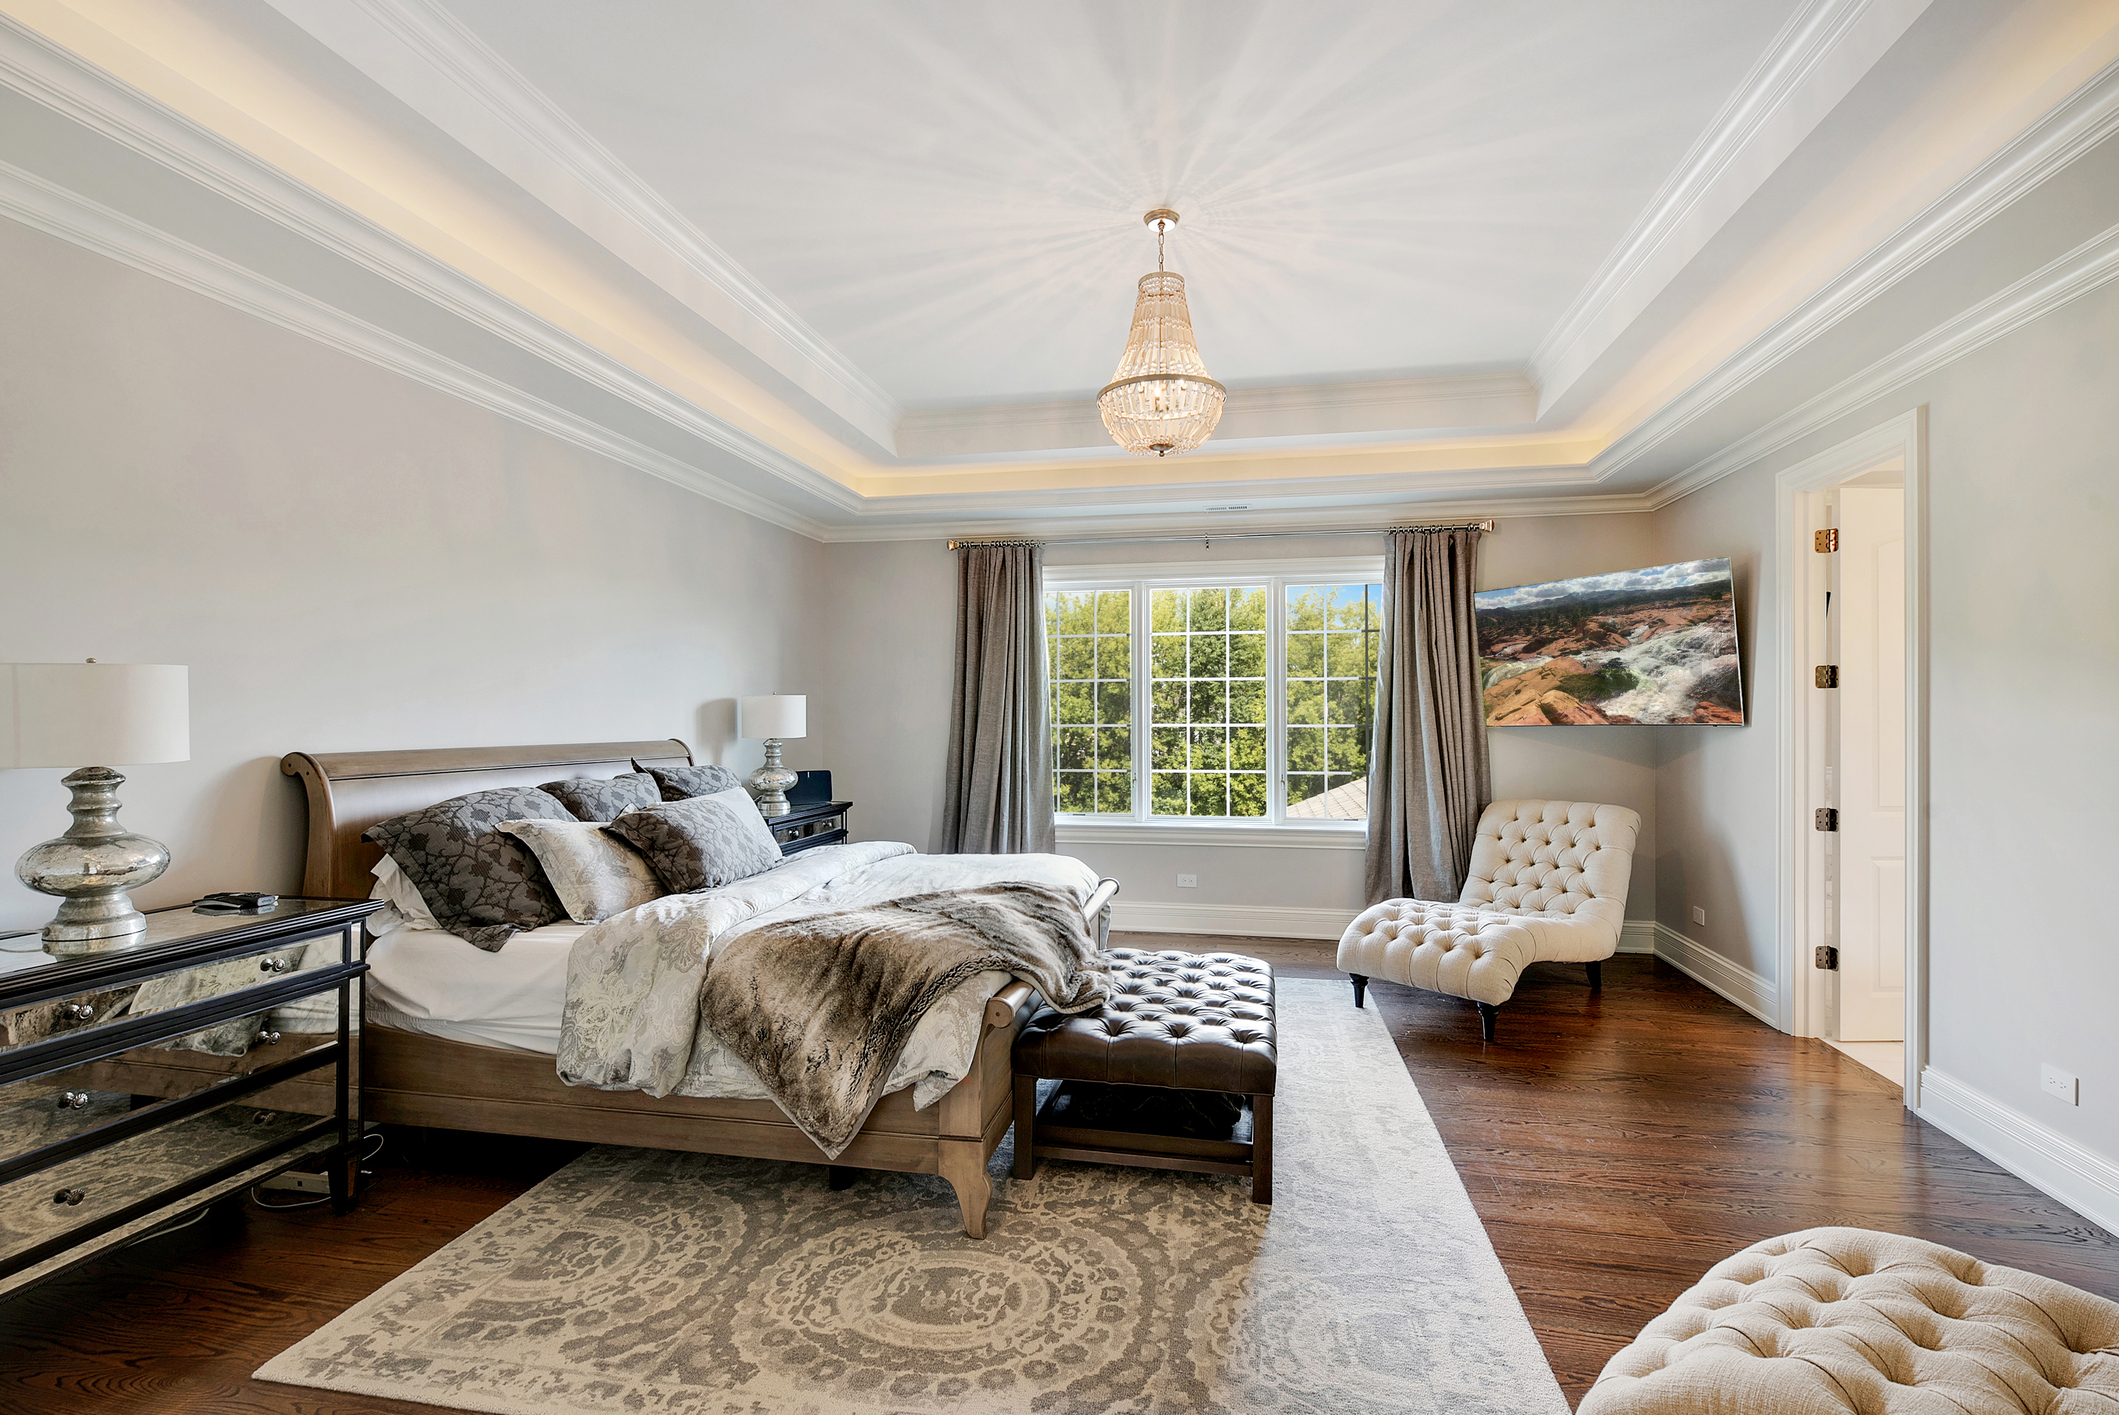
[1161,400]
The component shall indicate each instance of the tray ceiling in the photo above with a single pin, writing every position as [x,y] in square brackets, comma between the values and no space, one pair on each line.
[859,269]
[952,194]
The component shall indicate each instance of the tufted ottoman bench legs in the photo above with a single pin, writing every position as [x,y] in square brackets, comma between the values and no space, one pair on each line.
[1488,1015]
[1361,987]
[1176,1022]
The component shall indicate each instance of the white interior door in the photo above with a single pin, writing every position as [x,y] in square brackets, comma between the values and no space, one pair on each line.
[1871,612]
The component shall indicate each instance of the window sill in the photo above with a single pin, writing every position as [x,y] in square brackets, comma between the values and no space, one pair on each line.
[1345,835]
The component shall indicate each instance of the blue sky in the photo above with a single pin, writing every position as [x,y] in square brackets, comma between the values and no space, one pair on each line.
[1655,577]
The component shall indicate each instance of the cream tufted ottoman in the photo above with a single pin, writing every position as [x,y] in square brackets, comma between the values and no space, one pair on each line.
[1547,884]
[1845,1321]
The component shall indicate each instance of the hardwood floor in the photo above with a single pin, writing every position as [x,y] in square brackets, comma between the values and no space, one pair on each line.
[1615,1144]
[1618,1144]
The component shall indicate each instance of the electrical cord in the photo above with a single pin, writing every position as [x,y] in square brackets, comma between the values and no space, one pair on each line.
[172,1228]
[377,1137]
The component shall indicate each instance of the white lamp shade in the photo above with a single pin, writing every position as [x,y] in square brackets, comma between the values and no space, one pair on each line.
[94,714]
[774,715]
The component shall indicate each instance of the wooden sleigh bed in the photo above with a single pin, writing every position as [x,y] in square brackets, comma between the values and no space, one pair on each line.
[410,1079]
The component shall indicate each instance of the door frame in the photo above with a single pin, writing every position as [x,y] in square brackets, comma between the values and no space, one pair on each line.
[1799,713]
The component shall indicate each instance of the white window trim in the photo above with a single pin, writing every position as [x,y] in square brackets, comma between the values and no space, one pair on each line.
[1273,829]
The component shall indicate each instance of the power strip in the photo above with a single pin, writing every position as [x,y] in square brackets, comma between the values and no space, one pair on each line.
[297,1181]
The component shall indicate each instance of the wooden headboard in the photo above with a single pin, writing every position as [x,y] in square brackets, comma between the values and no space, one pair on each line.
[350,791]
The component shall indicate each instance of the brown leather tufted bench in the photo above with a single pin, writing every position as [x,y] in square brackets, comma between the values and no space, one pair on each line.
[1181,1021]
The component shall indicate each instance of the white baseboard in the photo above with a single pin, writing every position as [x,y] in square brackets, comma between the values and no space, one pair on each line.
[2084,1180]
[1237,920]
[1268,921]
[1717,974]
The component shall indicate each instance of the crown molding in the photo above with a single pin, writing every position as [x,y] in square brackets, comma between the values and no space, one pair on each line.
[49,208]
[1206,524]
[512,124]
[2078,123]
[1817,58]
[106,105]
[2069,277]
[1454,402]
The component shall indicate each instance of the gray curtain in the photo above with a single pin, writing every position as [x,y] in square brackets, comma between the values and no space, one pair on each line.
[1000,757]
[1428,778]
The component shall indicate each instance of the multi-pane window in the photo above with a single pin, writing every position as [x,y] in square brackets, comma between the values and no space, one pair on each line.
[1246,699]
[1331,636]
[1207,684]
[1089,661]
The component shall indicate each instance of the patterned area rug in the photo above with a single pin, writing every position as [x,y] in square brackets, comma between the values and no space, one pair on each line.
[643,1281]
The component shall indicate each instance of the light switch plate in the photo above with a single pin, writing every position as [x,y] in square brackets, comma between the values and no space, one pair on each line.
[1699,916]
[2058,1084]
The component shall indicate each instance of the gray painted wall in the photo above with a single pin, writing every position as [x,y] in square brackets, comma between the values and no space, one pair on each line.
[345,559]
[881,718]
[2023,666]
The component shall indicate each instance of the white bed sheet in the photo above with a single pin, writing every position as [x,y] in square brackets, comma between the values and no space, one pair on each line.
[428,981]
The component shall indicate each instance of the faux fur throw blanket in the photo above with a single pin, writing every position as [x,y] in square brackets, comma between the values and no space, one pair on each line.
[820,1007]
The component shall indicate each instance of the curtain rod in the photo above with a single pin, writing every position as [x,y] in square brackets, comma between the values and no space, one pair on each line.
[1209,537]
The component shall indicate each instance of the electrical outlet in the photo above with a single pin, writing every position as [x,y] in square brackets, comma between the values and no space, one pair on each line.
[2057,1083]
[1699,916]
[1188,881]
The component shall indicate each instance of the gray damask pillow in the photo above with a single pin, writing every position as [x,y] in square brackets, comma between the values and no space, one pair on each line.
[594,873]
[681,783]
[481,883]
[601,801]
[701,843]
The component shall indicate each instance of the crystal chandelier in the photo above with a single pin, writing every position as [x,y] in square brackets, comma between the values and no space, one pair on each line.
[1161,399]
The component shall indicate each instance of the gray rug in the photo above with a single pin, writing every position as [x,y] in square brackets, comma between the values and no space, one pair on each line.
[643,1281]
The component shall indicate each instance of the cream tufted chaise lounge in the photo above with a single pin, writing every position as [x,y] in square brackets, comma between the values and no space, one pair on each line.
[1846,1321]
[1547,884]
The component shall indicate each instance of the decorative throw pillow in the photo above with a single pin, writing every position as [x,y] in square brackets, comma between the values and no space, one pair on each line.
[601,801]
[594,873]
[479,881]
[701,843]
[681,783]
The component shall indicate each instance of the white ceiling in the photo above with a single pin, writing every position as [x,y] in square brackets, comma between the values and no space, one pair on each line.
[951,194]
[857,269]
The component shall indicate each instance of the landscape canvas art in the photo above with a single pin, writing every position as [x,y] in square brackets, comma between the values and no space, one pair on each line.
[1635,646]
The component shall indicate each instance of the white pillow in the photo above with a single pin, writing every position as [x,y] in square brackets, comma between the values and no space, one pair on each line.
[594,874]
[402,894]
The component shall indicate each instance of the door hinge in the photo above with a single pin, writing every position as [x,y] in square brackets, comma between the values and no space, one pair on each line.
[1828,675]
[1828,958]
[1828,818]
[1828,541]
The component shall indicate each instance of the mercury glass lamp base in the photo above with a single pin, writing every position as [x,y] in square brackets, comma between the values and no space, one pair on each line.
[92,868]
[769,783]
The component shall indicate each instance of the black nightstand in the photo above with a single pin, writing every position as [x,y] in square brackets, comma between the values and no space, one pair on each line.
[806,827]
[142,1083]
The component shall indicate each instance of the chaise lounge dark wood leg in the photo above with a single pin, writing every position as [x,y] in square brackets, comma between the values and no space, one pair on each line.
[1596,977]
[1487,1013]
[843,1176]
[1361,984]
[1262,1149]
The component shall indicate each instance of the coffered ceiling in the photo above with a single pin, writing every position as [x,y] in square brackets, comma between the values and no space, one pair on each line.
[860,268]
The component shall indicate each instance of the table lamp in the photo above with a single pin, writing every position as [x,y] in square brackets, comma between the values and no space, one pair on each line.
[773,716]
[65,714]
